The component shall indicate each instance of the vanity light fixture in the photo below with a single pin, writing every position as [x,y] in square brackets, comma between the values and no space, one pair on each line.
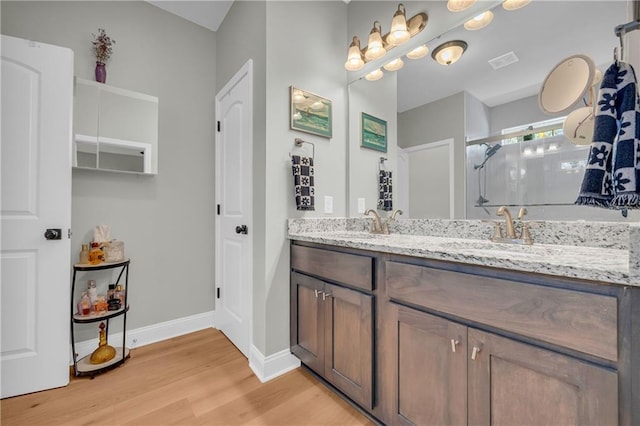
[354,57]
[394,65]
[515,4]
[449,52]
[418,52]
[375,48]
[399,33]
[374,75]
[480,21]
[459,5]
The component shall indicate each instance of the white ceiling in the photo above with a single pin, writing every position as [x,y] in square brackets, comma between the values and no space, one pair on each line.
[206,13]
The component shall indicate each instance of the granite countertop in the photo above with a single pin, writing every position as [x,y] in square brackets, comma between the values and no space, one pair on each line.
[598,263]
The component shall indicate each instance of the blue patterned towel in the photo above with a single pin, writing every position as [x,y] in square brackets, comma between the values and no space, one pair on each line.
[303,181]
[612,177]
[385,198]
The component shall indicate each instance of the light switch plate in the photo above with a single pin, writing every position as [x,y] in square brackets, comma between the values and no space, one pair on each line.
[328,204]
[361,205]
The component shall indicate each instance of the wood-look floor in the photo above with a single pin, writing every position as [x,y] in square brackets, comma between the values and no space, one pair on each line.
[196,379]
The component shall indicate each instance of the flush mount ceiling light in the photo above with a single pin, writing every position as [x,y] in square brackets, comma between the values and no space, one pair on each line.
[418,52]
[479,21]
[515,4]
[401,31]
[449,52]
[459,5]
[394,65]
[354,57]
[375,48]
[374,75]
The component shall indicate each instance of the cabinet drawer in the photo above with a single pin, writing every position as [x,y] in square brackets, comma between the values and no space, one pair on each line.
[346,268]
[581,321]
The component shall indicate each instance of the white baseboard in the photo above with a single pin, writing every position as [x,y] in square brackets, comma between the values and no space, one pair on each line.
[272,366]
[150,334]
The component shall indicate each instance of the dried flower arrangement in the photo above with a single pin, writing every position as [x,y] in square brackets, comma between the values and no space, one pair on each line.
[102,45]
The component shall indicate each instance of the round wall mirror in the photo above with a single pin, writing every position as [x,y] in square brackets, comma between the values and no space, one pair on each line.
[566,84]
[579,125]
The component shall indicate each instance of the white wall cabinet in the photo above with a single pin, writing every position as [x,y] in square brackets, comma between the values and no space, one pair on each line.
[115,129]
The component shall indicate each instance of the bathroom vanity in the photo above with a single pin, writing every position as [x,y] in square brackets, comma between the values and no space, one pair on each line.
[416,329]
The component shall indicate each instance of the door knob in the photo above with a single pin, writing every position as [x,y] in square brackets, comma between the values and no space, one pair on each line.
[53,234]
[242,229]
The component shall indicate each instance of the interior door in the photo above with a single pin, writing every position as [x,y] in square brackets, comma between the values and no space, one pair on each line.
[234,260]
[37,99]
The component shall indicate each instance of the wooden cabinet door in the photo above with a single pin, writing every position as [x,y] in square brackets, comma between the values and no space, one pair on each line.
[307,321]
[512,383]
[349,342]
[430,370]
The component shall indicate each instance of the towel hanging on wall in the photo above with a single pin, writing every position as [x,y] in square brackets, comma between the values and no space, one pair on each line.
[303,182]
[612,176]
[385,199]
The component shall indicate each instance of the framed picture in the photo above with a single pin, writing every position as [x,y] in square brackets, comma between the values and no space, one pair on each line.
[310,113]
[374,133]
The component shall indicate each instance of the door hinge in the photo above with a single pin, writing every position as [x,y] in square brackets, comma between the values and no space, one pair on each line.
[218,126]
[218,293]
[69,232]
[218,208]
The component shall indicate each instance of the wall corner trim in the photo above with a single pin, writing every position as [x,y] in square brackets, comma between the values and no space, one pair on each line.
[150,334]
[272,366]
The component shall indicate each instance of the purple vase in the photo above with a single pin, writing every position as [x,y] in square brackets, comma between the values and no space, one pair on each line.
[101,72]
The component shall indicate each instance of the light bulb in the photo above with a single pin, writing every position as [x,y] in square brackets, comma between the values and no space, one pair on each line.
[459,5]
[374,75]
[399,33]
[375,48]
[515,4]
[418,52]
[479,21]
[354,56]
[394,65]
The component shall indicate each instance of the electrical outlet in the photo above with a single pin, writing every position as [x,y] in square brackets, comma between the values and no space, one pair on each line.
[361,205]
[328,204]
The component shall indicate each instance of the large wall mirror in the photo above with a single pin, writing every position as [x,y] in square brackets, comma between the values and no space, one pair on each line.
[449,162]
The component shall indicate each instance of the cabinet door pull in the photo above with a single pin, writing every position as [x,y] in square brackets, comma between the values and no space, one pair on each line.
[454,343]
[316,291]
[325,295]
[475,352]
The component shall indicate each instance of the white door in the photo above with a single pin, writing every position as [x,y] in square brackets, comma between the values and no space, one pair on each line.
[432,162]
[234,224]
[37,99]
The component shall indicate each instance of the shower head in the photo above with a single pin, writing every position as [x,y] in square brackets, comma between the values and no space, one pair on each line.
[491,150]
[488,153]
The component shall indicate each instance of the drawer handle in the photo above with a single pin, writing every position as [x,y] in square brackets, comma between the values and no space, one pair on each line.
[475,352]
[454,343]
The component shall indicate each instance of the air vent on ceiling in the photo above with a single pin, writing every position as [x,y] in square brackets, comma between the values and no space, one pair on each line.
[503,60]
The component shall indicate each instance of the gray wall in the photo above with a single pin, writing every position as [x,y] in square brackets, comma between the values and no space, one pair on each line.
[435,122]
[516,113]
[241,37]
[166,221]
[305,48]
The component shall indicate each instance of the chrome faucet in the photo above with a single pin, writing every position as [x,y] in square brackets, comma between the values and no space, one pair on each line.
[377,226]
[503,211]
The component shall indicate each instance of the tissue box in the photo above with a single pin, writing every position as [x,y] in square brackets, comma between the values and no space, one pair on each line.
[114,251]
